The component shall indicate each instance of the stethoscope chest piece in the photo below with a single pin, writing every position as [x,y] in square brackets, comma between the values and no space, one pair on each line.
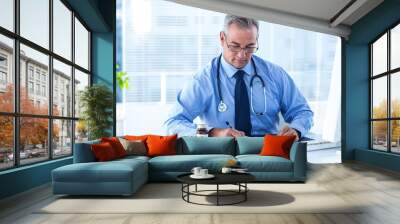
[222,106]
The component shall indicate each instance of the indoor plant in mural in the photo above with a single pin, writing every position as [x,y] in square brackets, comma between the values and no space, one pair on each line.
[96,102]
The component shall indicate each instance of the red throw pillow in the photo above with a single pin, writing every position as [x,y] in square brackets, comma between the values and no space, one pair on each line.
[103,151]
[116,145]
[277,145]
[161,145]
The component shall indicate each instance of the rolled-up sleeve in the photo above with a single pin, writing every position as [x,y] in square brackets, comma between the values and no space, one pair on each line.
[294,107]
[191,101]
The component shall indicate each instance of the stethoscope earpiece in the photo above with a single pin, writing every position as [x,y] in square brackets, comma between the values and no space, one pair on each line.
[222,107]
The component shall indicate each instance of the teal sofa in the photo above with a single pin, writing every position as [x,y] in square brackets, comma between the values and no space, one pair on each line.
[125,176]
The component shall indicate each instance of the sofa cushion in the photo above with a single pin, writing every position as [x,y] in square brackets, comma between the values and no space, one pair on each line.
[257,163]
[129,159]
[249,145]
[185,163]
[111,171]
[190,145]
[93,172]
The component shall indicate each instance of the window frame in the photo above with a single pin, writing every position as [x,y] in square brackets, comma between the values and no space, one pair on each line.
[16,114]
[388,74]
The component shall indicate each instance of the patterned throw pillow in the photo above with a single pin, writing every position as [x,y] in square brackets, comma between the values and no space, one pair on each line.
[135,147]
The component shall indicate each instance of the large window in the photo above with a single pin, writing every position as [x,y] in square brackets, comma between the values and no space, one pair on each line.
[161,45]
[385,92]
[40,80]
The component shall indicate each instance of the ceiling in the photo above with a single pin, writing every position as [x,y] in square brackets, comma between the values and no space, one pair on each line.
[325,16]
[97,14]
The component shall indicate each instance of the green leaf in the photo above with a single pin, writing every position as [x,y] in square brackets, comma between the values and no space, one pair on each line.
[122,80]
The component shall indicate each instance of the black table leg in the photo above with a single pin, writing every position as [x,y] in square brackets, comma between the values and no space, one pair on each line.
[182,190]
[217,194]
[188,190]
[245,193]
[220,193]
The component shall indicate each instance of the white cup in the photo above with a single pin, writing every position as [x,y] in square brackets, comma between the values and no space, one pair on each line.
[203,172]
[196,170]
[226,170]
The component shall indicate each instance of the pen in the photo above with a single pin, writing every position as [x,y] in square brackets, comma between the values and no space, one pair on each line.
[227,123]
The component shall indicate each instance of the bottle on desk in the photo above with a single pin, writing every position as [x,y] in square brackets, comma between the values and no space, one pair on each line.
[202,130]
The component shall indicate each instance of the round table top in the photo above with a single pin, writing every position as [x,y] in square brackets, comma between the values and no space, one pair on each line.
[220,178]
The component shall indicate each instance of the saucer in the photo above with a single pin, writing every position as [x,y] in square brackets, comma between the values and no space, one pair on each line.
[208,176]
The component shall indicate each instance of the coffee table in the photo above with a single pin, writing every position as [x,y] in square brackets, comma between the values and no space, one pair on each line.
[238,179]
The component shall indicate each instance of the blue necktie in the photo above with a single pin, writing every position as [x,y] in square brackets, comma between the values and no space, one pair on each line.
[242,106]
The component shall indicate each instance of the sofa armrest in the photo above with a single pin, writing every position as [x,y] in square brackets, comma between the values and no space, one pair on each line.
[298,155]
[83,152]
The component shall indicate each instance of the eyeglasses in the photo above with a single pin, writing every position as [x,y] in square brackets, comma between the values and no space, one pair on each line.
[237,49]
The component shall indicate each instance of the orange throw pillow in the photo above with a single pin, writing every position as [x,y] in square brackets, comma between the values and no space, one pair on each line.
[136,137]
[275,145]
[116,145]
[103,152]
[161,145]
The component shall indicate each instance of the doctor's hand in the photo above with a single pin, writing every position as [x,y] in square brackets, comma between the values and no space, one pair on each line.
[286,130]
[225,132]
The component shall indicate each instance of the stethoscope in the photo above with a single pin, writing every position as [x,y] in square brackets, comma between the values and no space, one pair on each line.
[222,107]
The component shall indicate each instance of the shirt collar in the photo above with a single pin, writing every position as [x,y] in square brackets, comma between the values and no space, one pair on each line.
[230,70]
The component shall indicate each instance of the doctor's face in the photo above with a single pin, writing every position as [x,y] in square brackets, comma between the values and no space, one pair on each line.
[238,45]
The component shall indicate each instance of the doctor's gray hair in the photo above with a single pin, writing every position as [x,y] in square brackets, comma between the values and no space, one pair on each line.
[243,22]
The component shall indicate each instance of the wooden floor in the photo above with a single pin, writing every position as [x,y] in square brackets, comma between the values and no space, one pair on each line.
[377,188]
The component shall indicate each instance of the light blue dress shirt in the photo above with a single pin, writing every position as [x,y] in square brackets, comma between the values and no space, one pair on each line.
[200,98]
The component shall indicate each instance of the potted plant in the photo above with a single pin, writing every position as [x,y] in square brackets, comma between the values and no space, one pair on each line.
[96,102]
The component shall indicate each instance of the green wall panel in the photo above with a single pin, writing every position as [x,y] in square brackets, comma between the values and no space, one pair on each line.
[24,178]
[356,133]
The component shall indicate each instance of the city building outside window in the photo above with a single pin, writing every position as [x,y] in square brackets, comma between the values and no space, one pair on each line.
[30,72]
[3,72]
[34,78]
[3,61]
[37,74]
[3,78]
[31,90]
[43,90]
[38,89]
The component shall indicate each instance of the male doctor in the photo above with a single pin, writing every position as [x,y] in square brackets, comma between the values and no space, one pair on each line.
[240,94]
